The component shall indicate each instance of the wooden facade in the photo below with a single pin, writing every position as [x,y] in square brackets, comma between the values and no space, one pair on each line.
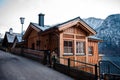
[69,40]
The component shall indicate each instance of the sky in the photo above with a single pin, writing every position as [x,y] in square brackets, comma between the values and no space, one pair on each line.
[56,11]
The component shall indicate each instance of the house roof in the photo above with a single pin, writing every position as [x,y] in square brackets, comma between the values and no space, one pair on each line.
[61,26]
[94,38]
[11,37]
[41,27]
[36,27]
[77,19]
[19,37]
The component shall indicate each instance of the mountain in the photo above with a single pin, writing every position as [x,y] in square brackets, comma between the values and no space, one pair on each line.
[94,22]
[109,31]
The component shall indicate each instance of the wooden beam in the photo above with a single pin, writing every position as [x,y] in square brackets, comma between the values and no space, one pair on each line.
[61,45]
[86,48]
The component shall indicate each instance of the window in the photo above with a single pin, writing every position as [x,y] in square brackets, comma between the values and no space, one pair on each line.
[68,47]
[80,48]
[90,50]
[33,46]
[37,43]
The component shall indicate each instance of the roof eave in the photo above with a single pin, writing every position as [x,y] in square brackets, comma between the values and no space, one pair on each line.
[29,29]
[98,40]
[86,28]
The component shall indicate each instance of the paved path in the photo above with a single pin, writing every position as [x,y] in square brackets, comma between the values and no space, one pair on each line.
[13,67]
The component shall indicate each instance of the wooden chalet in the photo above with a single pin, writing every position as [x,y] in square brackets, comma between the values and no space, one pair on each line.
[72,39]
[10,39]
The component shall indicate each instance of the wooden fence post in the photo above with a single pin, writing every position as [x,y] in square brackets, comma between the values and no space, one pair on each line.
[108,68]
[68,62]
[22,53]
[96,72]
[54,61]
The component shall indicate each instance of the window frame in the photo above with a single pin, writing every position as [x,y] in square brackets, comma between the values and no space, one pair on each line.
[68,46]
[38,43]
[78,48]
[90,49]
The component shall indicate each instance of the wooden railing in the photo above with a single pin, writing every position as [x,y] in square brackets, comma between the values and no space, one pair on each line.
[109,70]
[77,72]
[39,55]
[111,76]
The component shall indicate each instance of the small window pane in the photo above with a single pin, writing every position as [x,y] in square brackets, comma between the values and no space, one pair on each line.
[68,47]
[80,47]
[65,43]
[90,50]
[70,44]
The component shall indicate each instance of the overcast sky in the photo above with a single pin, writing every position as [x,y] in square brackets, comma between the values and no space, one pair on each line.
[55,11]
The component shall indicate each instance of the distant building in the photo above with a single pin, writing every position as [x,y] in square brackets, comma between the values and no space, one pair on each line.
[10,39]
[72,39]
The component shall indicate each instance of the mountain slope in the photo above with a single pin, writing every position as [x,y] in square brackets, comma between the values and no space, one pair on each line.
[94,22]
[109,31]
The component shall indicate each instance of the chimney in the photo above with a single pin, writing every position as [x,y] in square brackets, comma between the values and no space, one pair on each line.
[41,20]
[11,31]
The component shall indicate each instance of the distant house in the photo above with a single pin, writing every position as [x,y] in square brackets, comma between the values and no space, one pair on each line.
[71,39]
[10,39]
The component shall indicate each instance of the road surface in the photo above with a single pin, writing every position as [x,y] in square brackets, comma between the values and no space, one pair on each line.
[14,67]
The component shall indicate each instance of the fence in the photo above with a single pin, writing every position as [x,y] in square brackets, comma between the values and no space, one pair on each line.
[111,76]
[109,70]
[17,51]
[76,69]
[39,55]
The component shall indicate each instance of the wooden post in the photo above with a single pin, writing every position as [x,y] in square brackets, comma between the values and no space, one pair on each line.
[54,61]
[108,68]
[96,72]
[22,51]
[68,62]
[61,48]
[61,45]
[74,42]
[99,63]
[86,49]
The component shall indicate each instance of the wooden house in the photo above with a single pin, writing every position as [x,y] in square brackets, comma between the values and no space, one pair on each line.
[72,39]
[10,39]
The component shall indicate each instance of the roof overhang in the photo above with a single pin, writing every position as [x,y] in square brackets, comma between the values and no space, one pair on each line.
[96,40]
[29,30]
[79,23]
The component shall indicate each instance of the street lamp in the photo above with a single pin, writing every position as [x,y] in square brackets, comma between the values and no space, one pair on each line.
[22,22]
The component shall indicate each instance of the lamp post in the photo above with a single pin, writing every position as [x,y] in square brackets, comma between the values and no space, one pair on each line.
[22,22]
